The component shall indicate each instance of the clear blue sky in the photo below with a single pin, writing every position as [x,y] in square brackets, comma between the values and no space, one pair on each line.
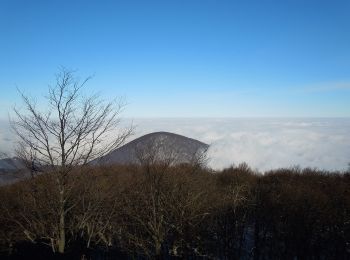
[181,58]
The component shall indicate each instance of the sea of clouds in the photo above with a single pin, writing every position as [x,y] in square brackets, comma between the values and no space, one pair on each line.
[263,143]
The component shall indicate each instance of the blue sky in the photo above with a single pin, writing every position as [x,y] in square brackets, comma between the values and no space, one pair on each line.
[184,58]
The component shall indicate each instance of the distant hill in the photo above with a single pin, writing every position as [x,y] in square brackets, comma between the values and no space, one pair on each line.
[11,170]
[156,147]
[11,164]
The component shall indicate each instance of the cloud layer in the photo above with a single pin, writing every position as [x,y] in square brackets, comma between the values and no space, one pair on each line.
[265,143]
[262,143]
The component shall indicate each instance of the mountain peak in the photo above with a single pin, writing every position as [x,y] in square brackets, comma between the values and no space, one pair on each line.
[157,147]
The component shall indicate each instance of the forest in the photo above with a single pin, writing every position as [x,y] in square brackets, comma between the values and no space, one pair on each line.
[162,211]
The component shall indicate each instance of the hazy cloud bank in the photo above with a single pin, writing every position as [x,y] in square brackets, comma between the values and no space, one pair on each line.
[265,143]
[6,138]
[262,143]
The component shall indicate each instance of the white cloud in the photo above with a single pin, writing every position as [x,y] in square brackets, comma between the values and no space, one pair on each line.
[6,138]
[265,143]
[262,143]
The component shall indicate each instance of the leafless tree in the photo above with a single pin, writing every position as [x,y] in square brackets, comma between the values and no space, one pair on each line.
[159,204]
[68,134]
[169,153]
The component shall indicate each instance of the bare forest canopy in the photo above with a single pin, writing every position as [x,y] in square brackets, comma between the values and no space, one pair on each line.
[185,211]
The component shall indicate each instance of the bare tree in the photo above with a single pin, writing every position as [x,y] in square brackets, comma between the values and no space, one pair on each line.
[158,206]
[68,134]
[167,152]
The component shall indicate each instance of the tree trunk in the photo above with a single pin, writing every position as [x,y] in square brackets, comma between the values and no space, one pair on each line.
[62,231]
[158,248]
[62,236]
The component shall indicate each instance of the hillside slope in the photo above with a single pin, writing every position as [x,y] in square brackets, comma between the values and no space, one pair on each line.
[156,147]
